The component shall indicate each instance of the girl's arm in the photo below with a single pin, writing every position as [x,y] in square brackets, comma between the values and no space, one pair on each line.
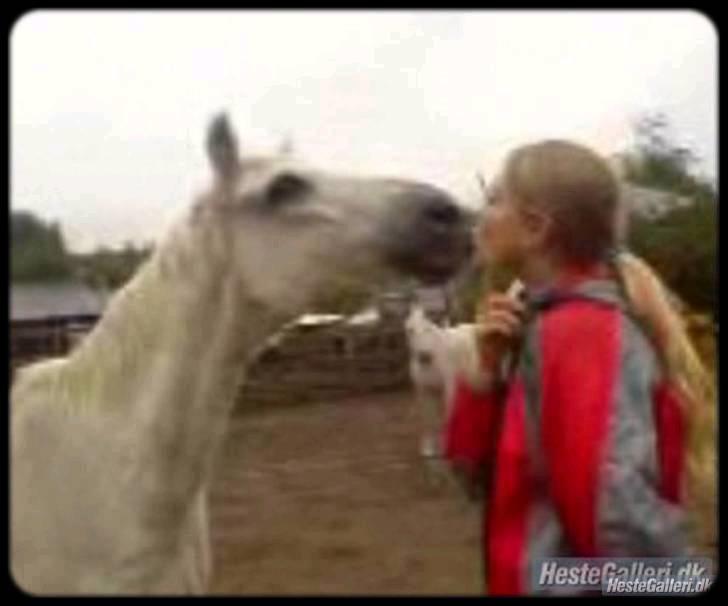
[473,426]
[471,432]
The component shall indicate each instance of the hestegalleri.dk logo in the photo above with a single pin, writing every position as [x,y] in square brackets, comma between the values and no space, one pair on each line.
[622,576]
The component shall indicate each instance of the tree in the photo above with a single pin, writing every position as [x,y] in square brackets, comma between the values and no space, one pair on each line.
[659,163]
[682,243]
[110,269]
[37,249]
[682,246]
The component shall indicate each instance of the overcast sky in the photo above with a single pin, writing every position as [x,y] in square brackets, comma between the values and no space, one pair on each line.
[109,109]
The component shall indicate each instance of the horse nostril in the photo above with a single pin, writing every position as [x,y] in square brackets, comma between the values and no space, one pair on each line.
[428,234]
[440,211]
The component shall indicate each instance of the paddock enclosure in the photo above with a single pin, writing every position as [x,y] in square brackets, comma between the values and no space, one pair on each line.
[330,498]
[319,487]
[325,493]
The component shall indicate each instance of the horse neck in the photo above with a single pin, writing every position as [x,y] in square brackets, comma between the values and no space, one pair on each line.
[171,348]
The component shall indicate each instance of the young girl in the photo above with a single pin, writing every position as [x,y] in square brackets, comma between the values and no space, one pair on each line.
[595,435]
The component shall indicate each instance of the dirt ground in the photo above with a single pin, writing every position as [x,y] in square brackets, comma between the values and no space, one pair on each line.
[330,498]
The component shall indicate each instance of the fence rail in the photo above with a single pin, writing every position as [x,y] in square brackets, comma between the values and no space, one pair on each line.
[329,362]
[31,340]
[309,363]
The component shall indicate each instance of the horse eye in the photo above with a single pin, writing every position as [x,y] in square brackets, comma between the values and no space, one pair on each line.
[287,188]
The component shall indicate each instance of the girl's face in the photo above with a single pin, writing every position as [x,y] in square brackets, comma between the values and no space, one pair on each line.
[507,232]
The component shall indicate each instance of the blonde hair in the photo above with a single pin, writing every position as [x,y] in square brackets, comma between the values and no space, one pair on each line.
[575,188]
[685,371]
[579,191]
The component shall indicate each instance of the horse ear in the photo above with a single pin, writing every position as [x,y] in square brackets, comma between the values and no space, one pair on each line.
[222,147]
[286,148]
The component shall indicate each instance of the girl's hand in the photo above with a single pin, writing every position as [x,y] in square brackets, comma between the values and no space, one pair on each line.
[499,326]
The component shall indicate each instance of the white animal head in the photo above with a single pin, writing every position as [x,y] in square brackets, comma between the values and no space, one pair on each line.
[451,351]
[423,335]
[293,229]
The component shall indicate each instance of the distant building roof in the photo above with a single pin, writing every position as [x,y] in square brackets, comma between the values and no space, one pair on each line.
[652,202]
[365,317]
[36,301]
[318,319]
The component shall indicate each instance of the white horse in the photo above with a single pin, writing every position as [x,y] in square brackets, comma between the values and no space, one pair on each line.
[438,356]
[112,448]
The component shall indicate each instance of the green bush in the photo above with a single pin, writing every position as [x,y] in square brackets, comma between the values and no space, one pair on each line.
[108,268]
[37,250]
[682,246]
[682,243]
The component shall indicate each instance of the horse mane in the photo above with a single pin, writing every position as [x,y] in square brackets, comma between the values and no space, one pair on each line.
[116,346]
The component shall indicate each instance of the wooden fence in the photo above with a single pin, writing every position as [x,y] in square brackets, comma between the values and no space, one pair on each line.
[302,363]
[299,364]
[327,362]
[31,340]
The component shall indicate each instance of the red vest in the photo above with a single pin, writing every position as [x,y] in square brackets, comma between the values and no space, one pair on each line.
[585,446]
